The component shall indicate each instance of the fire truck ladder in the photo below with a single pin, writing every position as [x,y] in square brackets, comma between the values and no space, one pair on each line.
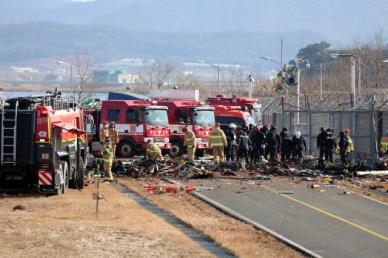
[8,134]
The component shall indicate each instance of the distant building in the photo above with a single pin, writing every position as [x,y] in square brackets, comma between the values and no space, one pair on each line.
[114,77]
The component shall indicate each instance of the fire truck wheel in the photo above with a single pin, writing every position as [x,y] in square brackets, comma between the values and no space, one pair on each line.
[66,176]
[80,177]
[176,149]
[200,153]
[61,186]
[77,181]
[126,149]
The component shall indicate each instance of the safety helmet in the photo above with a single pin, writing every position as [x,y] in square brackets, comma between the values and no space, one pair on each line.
[258,128]
[298,134]
[105,122]
[184,129]
[347,131]
[232,126]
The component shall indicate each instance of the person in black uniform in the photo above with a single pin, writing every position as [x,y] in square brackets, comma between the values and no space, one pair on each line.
[330,145]
[231,139]
[273,143]
[258,141]
[285,149]
[298,146]
[321,144]
[244,144]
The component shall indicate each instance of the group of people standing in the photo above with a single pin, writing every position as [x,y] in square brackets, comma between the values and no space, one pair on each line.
[256,142]
[327,144]
[252,144]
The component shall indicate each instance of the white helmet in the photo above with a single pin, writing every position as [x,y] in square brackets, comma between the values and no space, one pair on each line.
[232,126]
[298,134]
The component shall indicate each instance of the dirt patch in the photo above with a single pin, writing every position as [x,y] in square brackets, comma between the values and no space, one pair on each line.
[66,226]
[236,236]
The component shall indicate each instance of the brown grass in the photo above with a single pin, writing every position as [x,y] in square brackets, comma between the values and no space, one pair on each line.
[65,226]
[241,238]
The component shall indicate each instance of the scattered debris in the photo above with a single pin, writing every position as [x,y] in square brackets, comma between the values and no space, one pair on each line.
[286,192]
[372,173]
[315,186]
[19,207]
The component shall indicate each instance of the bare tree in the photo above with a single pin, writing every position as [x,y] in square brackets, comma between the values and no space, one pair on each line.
[187,81]
[84,66]
[157,73]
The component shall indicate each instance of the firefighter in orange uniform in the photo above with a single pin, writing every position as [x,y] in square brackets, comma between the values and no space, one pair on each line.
[217,141]
[114,137]
[103,134]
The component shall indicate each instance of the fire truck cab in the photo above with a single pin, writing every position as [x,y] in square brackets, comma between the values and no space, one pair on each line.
[42,144]
[246,104]
[191,114]
[226,115]
[137,121]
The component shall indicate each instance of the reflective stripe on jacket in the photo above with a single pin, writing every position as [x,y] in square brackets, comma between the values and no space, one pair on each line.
[217,138]
[190,140]
[108,154]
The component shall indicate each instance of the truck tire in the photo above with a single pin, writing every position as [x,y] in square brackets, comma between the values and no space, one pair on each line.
[60,189]
[200,153]
[77,182]
[66,176]
[126,149]
[176,149]
[80,176]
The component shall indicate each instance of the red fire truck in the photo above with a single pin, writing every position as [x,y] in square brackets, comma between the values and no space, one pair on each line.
[42,144]
[246,104]
[137,121]
[226,115]
[193,115]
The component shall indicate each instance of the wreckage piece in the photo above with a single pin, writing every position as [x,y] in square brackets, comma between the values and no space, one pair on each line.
[372,173]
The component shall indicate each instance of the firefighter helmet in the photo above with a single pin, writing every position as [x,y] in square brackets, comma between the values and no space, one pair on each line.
[232,126]
[184,129]
[298,134]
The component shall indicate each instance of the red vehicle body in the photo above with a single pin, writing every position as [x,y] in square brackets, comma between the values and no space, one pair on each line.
[193,115]
[137,121]
[226,115]
[43,144]
[246,104]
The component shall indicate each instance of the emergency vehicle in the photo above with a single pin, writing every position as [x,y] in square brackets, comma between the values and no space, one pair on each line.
[42,144]
[193,115]
[225,115]
[246,104]
[137,121]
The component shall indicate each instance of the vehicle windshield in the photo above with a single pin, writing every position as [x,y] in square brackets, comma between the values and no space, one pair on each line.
[250,120]
[156,117]
[204,117]
[256,113]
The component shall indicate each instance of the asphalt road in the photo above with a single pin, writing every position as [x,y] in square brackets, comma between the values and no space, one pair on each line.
[324,220]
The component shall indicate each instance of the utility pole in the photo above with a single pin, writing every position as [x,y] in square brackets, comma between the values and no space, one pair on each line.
[218,77]
[297,94]
[281,54]
[251,81]
[353,80]
[359,76]
[321,81]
